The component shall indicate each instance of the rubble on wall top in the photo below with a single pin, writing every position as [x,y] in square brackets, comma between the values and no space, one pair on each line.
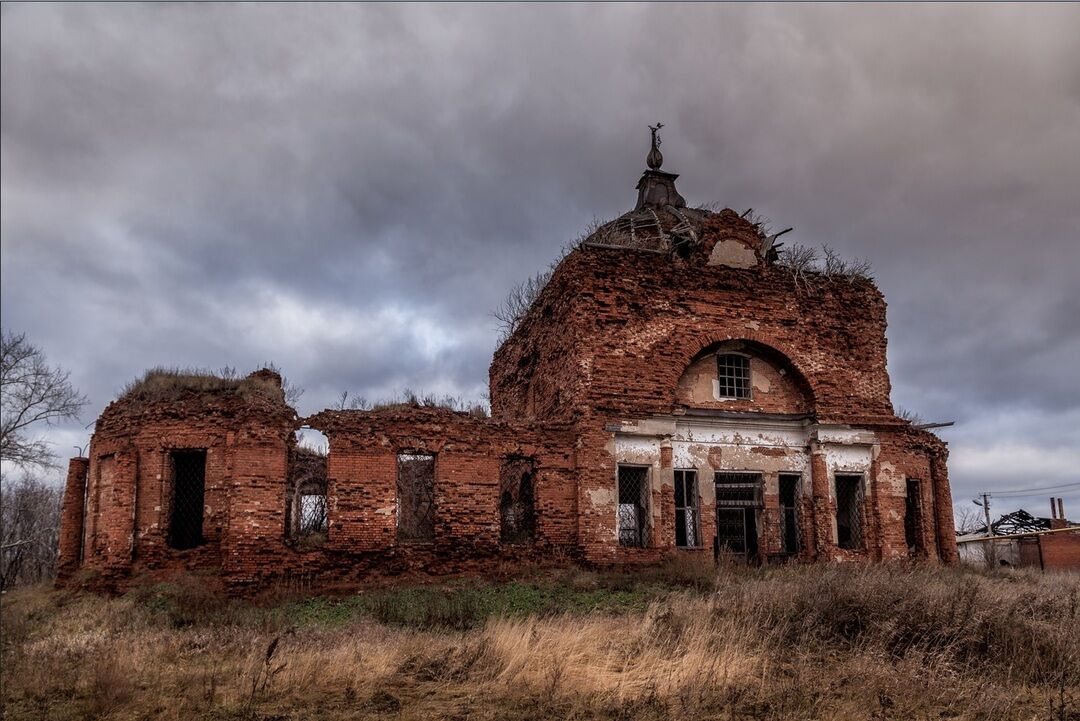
[164,383]
[179,393]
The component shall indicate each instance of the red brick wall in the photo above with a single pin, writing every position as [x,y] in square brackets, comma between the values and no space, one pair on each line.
[615,330]
[1060,551]
[71,518]
[615,336]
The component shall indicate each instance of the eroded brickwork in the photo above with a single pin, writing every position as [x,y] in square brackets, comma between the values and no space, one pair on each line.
[616,364]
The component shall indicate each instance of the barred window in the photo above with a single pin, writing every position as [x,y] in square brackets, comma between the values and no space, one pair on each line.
[739,496]
[789,514]
[686,509]
[416,497]
[633,513]
[733,375]
[188,488]
[849,521]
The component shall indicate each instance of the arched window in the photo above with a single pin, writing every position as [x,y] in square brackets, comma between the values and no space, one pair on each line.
[733,375]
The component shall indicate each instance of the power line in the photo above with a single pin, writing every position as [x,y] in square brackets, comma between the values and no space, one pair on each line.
[1033,491]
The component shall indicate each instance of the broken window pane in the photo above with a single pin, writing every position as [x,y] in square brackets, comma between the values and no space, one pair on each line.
[913,516]
[733,375]
[416,497]
[633,512]
[517,504]
[849,498]
[188,488]
[686,509]
[789,518]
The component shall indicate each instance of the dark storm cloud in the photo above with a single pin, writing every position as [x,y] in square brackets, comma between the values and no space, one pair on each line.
[348,190]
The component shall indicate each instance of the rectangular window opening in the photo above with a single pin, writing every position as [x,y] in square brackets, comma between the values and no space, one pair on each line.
[517,501]
[686,509]
[633,513]
[849,520]
[416,497]
[789,514]
[188,490]
[738,498]
[307,517]
[913,516]
[733,375]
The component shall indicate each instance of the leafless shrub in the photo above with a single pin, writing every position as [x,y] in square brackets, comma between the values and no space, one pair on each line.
[854,270]
[808,267]
[908,415]
[518,302]
[409,398]
[354,403]
[968,520]
[761,222]
[29,531]
[522,296]
[801,263]
[31,392]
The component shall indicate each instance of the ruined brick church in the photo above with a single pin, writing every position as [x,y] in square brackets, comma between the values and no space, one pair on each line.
[673,389]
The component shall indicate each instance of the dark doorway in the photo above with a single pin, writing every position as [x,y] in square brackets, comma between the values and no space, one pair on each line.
[913,516]
[738,498]
[517,501]
[188,488]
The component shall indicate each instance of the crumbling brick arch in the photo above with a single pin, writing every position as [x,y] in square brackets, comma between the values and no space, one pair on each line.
[696,349]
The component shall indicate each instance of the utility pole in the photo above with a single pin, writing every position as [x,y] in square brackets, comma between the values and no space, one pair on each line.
[986,513]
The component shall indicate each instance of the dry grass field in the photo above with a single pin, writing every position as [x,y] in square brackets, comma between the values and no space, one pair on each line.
[679,642]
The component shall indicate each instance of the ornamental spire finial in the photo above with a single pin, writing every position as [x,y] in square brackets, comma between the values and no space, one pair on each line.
[656,188]
[655,159]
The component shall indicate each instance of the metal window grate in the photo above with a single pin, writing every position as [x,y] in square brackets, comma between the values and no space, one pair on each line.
[188,489]
[738,497]
[416,497]
[686,509]
[739,489]
[849,517]
[733,375]
[517,501]
[633,513]
[790,542]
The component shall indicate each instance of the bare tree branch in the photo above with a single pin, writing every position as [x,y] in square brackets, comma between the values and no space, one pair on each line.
[29,530]
[31,393]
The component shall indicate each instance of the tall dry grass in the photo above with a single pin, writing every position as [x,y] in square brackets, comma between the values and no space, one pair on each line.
[819,642]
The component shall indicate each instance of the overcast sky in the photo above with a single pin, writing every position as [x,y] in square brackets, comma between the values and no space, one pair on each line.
[349,190]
